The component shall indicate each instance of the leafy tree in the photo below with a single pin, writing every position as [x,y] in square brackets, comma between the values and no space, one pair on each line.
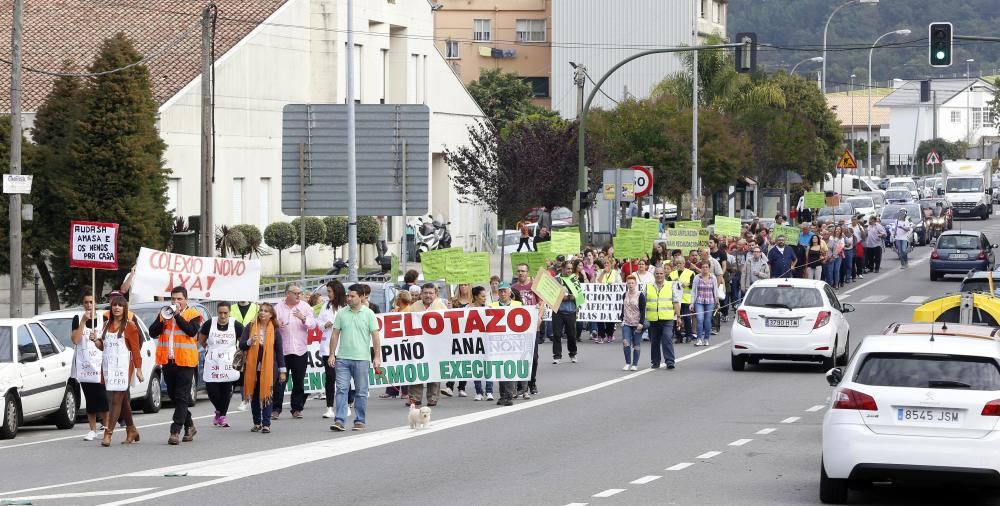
[503,96]
[315,231]
[336,230]
[367,230]
[229,240]
[945,149]
[779,141]
[253,238]
[805,101]
[281,235]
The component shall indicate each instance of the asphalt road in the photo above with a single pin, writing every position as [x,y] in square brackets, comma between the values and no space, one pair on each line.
[700,434]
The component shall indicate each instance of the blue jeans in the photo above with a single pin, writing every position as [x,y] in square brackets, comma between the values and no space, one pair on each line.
[833,271]
[901,247]
[632,341]
[479,387]
[346,370]
[704,312]
[848,263]
[661,335]
[261,414]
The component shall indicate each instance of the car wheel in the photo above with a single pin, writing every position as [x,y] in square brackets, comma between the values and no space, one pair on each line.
[11,417]
[985,216]
[739,362]
[843,359]
[831,491]
[65,418]
[830,362]
[154,397]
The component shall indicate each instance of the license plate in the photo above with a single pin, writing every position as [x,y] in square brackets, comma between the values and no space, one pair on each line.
[958,256]
[964,211]
[928,416]
[781,322]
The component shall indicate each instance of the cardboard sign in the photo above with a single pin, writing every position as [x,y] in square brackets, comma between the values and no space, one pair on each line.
[93,245]
[728,227]
[791,233]
[534,259]
[631,243]
[815,200]
[548,289]
[565,243]
[158,272]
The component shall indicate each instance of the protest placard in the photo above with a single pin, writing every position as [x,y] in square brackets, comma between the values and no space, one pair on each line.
[158,272]
[650,229]
[534,259]
[791,233]
[703,236]
[815,200]
[93,245]
[684,239]
[468,268]
[603,303]
[565,242]
[728,227]
[550,290]
[688,224]
[631,244]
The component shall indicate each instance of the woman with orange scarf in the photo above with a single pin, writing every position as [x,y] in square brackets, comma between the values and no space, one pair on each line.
[122,359]
[262,342]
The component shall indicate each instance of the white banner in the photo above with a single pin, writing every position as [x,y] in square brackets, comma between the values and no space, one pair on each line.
[116,363]
[88,358]
[157,272]
[490,344]
[604,303]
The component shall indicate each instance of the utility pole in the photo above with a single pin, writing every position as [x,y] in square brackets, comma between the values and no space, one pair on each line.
[15,159]
[694,138]
[580,80]
[352,176]
[207,132]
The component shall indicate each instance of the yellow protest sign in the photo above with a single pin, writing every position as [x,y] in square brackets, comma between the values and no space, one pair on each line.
[551,291]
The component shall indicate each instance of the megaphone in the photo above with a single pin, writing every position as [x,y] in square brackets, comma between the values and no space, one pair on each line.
[168,312]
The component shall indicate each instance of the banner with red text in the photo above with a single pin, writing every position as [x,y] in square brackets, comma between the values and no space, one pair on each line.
[158,272]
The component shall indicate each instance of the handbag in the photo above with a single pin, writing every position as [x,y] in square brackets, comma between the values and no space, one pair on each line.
[720,292]
[239,360]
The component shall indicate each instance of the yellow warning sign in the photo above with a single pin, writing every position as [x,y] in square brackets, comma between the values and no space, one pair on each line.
[847,161]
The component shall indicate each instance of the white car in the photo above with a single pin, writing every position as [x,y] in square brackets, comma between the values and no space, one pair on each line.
[60,323]
[914,407]
[904,183]
[34,377]
[791,319]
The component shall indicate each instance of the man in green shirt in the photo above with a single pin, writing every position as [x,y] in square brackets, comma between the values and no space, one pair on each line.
[355,334]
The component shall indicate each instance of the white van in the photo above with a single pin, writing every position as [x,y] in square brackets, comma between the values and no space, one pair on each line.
[848,184]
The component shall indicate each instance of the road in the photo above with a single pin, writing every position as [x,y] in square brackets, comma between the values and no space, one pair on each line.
[700,434]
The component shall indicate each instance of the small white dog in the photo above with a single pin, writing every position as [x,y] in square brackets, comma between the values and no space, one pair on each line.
[419,418]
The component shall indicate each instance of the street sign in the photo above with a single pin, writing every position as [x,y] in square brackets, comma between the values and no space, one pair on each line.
[933,158]
[643,180]
[381,130]
[628,192]
[609,191]
[847,161]
[93,245]
[16,183]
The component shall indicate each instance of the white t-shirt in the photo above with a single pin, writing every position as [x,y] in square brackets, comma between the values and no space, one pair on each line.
[903,228]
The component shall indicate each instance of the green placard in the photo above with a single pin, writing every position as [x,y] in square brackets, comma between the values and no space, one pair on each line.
[688,224]
[435,263]
[534,259]
[574,229]
[394,270]
[469,268]
[703,236]
[791,233]
[630,243]
[548,289]
[815,200]
[565,242]
[649,227]
[684,239]
[729,227]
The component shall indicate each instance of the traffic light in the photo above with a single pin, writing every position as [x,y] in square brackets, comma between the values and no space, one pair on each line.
[940,43]
[746,54]
[586,200]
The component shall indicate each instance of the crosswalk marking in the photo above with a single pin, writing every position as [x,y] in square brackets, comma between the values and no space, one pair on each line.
[609,492]
[915,298]
[678,467]
[645,479]
[875,298]
[708,455]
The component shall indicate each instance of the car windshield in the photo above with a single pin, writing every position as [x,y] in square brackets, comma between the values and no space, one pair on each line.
[908,185]
[840,210]
[892,212]
[783,296]
[6,345]
[958,242]
[914,370]
[964,185]
[898,194]
[861,202]
[62,328]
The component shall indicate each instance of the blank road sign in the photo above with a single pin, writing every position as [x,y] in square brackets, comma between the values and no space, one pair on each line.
[380,130]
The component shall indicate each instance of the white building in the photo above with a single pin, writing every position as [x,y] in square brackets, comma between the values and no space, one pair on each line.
[271,53]
[599,34]
[961,113]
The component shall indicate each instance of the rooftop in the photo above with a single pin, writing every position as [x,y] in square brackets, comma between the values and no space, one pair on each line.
[844,105]
[908,94]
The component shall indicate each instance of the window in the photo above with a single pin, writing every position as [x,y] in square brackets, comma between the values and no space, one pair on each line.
[62,328]
[45,344]
[173,193]
[977,118]
[703,10]
[24,344]
[784,296]
[956,116]
[716,12]
[482,30]
[6,351]
[237,203]
[451,49]
[531,30]
[358,73]
[539,86]
[929,371]
[263,206]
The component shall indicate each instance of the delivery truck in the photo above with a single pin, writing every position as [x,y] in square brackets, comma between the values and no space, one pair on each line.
[967,186]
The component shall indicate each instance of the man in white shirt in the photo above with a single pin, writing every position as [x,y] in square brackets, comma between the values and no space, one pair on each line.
[901,237]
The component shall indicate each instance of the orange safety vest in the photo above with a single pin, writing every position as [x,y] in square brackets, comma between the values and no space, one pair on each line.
[185,346]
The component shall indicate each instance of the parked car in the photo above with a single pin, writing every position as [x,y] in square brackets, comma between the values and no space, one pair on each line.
[914,407]
[898,196]
[145,394]
[35,377]
[958,252]
[791,319]
[561,216]
[845,211]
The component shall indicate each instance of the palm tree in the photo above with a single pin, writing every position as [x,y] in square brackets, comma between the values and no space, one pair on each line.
[229,240]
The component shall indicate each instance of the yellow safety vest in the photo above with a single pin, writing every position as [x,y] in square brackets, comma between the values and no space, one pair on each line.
[659,305]
[686,276]
[513,303]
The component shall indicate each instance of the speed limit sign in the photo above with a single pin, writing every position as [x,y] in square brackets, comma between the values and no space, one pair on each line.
[643,180]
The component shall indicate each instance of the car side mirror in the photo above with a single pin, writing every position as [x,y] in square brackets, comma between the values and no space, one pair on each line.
[28,357]
[994,246]
[847,308]
[834,376]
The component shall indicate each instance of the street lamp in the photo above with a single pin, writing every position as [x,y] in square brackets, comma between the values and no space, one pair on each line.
[967,62]
[968,106]
[904,31]
[816,59]
[827,27]
[850,92]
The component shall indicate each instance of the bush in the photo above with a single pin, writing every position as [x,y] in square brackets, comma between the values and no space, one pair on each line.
[336,230]
[280,235]
[315,231]
[367,230]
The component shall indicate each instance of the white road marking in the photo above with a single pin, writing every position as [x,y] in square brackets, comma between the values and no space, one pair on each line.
[875,298]
[678,467]
[577,504]
[815,408]
[609,492]
[645,479]
[791,419]
[72,495]
[251,464]
[764,432]
[919,299]
[708,455]
[740,442]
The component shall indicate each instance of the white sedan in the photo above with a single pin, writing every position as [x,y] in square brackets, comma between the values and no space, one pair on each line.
[34,376]
[914,406]
[791,319]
